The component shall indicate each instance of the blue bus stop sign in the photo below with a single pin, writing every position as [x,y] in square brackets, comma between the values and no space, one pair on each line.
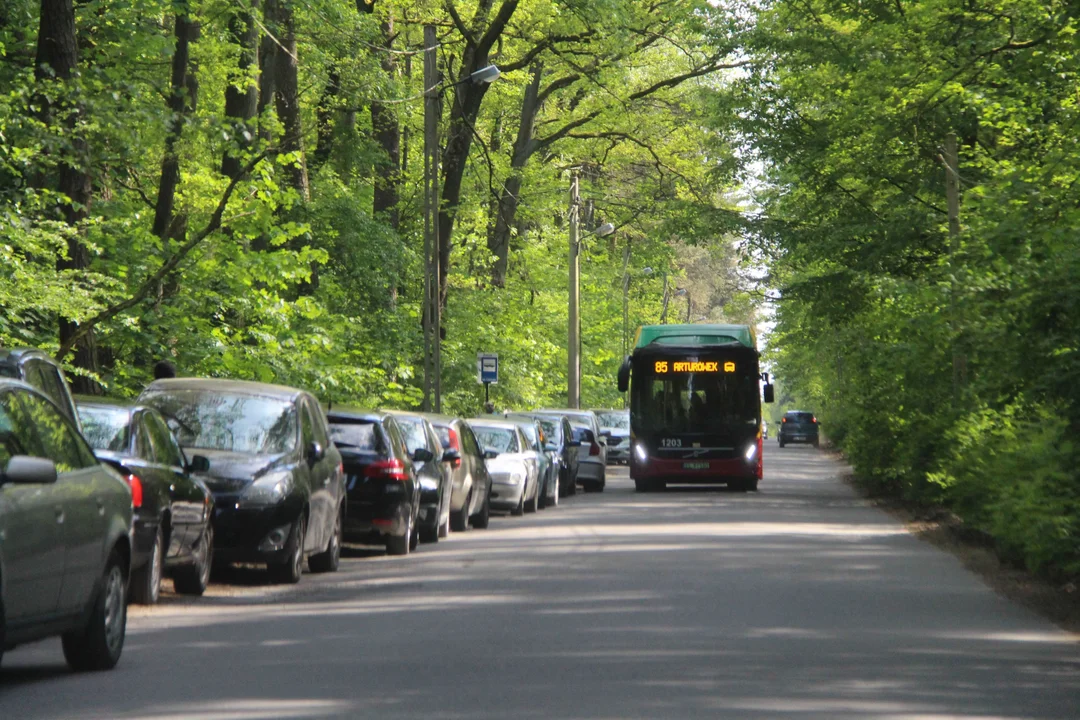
[487,365]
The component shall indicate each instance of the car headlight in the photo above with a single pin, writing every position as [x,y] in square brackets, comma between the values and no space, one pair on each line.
[270,489]
[517,478]
[640,453]
[428,485]
[751,452]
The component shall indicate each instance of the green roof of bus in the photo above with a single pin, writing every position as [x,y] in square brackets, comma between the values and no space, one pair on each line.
[694,335]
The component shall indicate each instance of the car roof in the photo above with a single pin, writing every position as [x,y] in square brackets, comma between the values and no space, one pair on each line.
[238,387]
[356,414]
[406,414]
[440,420]
[493,422]
[12,356]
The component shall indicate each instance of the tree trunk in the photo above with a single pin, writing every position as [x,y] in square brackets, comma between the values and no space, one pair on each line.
[499,241]
[288,99]
[324,120]
[57,59]
[268,53]
[180,103]
[242,96]
[387,133]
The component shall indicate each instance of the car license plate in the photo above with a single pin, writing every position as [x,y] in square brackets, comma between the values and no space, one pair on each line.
[695,466]
[799,437]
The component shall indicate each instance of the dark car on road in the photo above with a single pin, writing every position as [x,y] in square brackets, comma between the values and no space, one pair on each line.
[382,484]
[173,532]
[798,426]
[592,448]
[432,466]
[65,543]
[559,441]
[277,480]
[40,371]
[470,502]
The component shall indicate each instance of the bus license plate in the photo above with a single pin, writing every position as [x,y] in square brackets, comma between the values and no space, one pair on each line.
[695,466]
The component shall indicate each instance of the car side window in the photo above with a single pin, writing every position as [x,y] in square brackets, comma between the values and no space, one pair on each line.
[307,428]
[17,436]
[318,421]
[58,437]
[166,451]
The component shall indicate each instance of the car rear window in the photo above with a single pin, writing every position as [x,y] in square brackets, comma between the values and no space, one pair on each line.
[105,428]
[497,439]
[800,417]
[356,435]
[413,432]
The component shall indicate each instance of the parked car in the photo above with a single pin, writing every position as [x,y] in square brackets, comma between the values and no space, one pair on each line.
[470,502]
[172,532]
[592,451]
[40,371]
[546,460]
[559,442]
[615,428]
[798,426]
[277,480]
[65,520]
[764,430]
[511,463]
[382,485]
[432,467]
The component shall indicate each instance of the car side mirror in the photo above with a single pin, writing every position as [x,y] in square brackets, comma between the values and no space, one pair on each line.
[550,448]
[490,454]
[315,452]
[574,443]
[198,464]
[769,393]
[26,470]
[624,375]
[453,457]
[423,455]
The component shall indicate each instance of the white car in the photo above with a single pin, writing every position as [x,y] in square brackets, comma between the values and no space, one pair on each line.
[511,463]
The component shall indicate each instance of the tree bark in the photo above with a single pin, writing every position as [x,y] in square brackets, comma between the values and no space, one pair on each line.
[387,133]
[268,52]
[242,96]
[57,59]
[288,99]
[499,241]
[181,105]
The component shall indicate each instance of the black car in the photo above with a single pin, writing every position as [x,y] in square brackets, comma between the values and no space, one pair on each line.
[65,524]
[470,502]
[172,531]
[798,426]
[432,464]
[383,488]
[277,480]
[559,439]
[40,371]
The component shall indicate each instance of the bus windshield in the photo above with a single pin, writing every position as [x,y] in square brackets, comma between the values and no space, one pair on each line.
[695,402]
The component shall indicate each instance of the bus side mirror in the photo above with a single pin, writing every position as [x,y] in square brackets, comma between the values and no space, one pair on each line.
[769,394]
[624,375]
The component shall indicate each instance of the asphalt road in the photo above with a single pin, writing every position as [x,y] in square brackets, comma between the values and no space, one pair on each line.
[800,601]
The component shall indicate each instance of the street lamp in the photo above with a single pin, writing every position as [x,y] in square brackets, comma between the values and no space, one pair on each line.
[432,315]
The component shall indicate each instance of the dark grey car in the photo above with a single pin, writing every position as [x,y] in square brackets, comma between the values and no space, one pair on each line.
[470,502]
[65,520]
[799,426]
[277,479]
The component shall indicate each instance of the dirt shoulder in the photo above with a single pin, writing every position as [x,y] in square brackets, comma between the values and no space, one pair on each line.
[1058,603]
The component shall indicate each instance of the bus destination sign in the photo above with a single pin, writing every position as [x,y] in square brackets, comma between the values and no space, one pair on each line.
[663,367]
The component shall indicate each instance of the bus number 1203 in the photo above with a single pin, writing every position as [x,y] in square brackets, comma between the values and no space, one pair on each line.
[671,442]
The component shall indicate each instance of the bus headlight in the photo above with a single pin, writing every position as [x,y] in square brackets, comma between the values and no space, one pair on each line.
[640,453]
[751,452]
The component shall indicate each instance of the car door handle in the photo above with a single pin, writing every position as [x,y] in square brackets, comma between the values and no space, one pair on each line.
[59,516]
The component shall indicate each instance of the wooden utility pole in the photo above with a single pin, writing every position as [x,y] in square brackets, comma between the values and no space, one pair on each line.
[952,199]
[626,300]
[431,223]
[573,346]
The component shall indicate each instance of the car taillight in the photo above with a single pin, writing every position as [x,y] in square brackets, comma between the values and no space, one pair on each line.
[135,484]
[594,449]
[813,420]
[455,463]
[388,470]
[454,444]
[783,420]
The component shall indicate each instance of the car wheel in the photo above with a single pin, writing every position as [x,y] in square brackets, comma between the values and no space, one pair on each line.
[641,486]
[817,443]
[444,528]
[400,544]
[289,571]
[146,581]
[520,509]
[99,644]
[459,521]
[781,443]
[329,559]
[193,579]
[483,518]
[414,538]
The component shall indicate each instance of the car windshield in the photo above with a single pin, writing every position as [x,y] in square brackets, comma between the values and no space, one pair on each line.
[413,430]
[210,420]
[495,438]
[614,420]
[355,434]
[105,428]
[800,417]
[552,430]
